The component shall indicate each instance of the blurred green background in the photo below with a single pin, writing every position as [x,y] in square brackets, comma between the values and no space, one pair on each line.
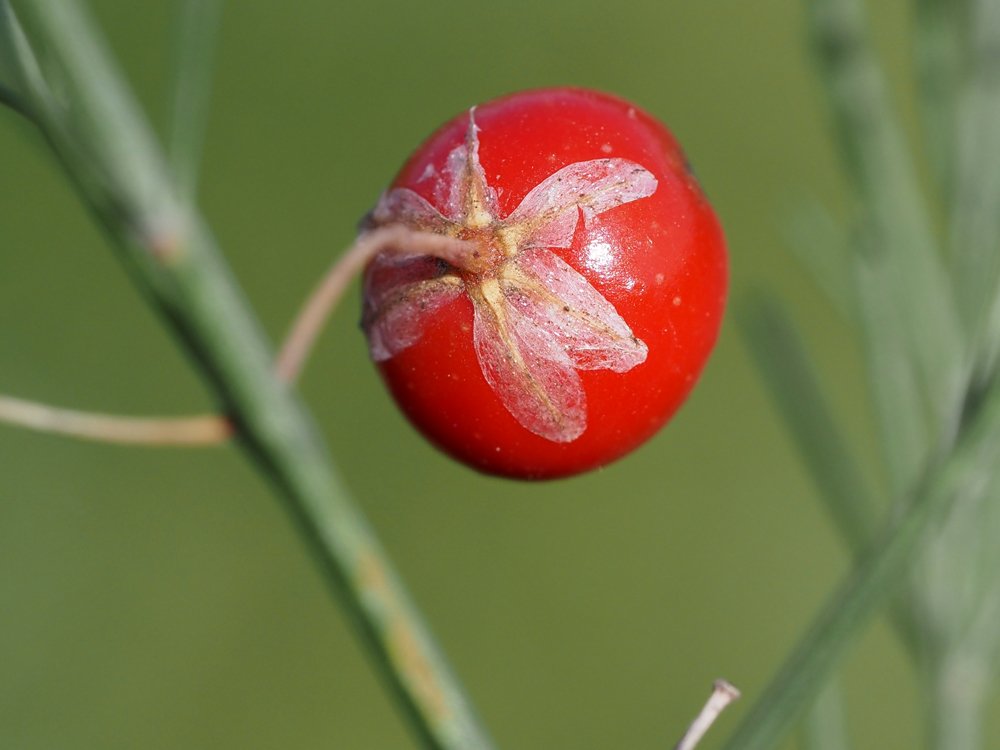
[160,599]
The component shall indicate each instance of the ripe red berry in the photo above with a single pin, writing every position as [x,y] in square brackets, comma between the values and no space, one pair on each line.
[580,300]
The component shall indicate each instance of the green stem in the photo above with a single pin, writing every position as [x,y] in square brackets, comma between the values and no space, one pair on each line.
[874,579]
[107,148]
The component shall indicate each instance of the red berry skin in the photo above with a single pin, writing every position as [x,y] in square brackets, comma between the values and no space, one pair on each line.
[658,259]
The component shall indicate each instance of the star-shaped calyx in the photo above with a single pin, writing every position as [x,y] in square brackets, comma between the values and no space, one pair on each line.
[536,320]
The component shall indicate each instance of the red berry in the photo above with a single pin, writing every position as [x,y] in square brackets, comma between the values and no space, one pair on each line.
[577,312]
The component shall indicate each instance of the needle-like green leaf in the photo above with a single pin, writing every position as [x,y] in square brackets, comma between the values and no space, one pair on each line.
[793,385]
[902,419]
[975,208]
[799,397]
[896,217]
[824,247]
[941,58]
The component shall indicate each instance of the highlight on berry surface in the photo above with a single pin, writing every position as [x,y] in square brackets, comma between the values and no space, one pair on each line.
[579,300]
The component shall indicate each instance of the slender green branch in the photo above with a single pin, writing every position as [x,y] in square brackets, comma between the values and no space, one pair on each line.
[108,149]
[851,607]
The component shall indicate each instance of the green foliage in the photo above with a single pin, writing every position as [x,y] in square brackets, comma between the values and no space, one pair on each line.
[931,367]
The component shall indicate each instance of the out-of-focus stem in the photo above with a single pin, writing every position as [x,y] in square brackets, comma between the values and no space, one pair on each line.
[941,59]
[895,212]
[852,606]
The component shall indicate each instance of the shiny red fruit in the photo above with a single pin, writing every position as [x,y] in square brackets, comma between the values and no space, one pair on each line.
[577,299]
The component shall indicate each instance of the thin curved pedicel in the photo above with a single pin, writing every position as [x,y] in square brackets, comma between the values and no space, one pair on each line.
[536,320]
